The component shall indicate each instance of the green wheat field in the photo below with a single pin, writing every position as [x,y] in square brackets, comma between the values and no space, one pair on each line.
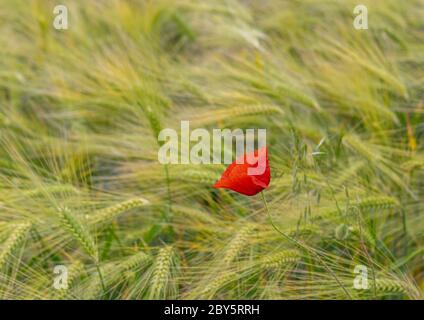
[82,191]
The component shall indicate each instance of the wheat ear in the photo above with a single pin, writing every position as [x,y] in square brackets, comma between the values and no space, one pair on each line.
[216,284]
[107,214]
[237,243]
[389,285]
[278,259]
[206,177]
[161,272]
[114,272]
[74,271]
[134,261]
[77,230]
[14,241]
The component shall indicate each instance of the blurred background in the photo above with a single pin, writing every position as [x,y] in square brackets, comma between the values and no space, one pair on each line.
[81,187]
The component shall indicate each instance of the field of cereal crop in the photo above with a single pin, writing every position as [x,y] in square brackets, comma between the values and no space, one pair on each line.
[88,212]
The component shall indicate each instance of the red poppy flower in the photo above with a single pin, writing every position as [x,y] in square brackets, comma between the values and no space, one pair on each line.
[248,175]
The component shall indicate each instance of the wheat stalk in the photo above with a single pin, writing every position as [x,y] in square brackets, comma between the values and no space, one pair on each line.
[365,204]
[108,214]
[361,147]
[134,261]
[14,241]
[161,272]
[235,112]
[78,231]
[74,271]
[200,176]
[389,285]
[115,272]
[278,259]
[217,283]
[376,203]
[238,243]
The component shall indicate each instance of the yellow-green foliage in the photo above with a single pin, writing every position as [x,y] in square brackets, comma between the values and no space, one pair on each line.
[80,114]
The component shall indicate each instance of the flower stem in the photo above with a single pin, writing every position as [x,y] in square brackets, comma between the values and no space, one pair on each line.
[304,247]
